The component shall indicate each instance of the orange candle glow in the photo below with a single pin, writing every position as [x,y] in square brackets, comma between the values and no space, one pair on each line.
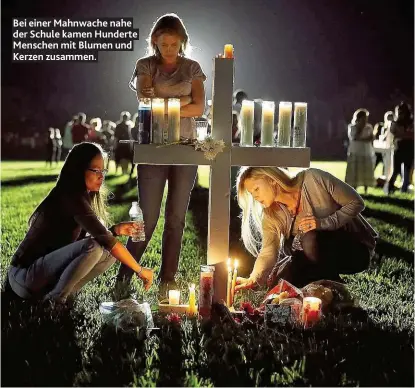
[311,311]
[228,51]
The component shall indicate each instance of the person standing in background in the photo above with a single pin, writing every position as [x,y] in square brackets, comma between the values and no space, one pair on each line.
[67,142]
[360,154]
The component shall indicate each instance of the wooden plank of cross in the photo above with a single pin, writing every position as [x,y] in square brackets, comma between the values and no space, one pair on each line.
[220,168]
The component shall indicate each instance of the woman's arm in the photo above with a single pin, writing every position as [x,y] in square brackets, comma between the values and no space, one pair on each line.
[121,254]
[197,105]
[350,201]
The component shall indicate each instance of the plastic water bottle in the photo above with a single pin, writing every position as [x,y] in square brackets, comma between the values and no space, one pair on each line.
[136,215]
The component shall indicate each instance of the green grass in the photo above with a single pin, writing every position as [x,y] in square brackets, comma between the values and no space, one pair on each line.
[39,340]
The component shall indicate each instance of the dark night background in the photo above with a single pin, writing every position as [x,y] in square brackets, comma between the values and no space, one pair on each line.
[337,55]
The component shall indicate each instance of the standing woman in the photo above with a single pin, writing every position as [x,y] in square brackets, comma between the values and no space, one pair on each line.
[360,154]
[167,72]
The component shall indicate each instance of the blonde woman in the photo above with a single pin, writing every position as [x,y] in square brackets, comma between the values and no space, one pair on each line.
[301,228]
[165,73]
[360,154]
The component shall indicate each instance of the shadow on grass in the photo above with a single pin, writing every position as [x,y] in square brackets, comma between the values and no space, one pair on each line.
[118,193]
[390,200]
[385,248]
[38,344]
[390,218]
[29,180]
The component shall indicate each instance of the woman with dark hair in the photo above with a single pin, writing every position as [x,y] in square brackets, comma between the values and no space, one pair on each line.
[403,131]
[55,259]
[166,73]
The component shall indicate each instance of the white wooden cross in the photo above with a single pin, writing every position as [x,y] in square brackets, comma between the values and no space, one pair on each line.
[220,168]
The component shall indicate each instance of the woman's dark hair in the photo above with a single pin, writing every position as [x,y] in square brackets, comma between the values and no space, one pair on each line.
[169,24]
[71,180]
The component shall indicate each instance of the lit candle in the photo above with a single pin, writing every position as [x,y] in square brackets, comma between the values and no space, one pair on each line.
[206,290]
[284,124]
[174,297]
[235,274]
[157,108]
[173,119]
[246,123]
[228,51]
[192,300]
[229,285]
[300,124]
[311,311]
[267,124]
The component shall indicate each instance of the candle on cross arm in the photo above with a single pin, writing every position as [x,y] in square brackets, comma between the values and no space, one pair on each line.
[247,123]
[284,124]
[267,124]
[229,285]
[235,274]
[192,300]
[228,51]
[173,109]
[158,120]
[300,124]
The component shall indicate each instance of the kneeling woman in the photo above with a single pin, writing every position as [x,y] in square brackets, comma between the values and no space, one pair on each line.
[56,259]
[309,226]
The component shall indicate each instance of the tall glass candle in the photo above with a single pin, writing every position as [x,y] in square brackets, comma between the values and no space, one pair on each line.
[192,300]
[246,122]
[300,124]
[173,119]
[228,51]
[267,124]
[284,124]
[144,120]
[157,126]
[229,285]
[234,276]
[206,290]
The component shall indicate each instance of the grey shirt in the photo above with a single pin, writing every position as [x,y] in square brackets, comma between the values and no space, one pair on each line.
[333,202]
[175,85]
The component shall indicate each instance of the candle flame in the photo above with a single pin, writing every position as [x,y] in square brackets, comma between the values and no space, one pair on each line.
[235,265]
[192,287]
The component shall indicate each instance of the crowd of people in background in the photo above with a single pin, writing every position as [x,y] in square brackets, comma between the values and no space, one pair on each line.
[397,133]
[396,130]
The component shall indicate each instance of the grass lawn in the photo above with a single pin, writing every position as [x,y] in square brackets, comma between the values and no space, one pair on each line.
[54,346]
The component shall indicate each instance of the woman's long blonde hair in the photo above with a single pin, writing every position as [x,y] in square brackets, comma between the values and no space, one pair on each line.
[169,24]
[255,219]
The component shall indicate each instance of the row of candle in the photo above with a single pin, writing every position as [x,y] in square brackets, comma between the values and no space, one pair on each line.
[267,124]
[152,126]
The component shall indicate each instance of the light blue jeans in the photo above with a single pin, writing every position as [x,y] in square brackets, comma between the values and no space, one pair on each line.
[62,272]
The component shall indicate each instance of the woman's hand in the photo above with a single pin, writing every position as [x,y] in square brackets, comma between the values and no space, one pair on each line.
[146,275]
[308,223]
[244,284]
[128,228]
[148,92]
